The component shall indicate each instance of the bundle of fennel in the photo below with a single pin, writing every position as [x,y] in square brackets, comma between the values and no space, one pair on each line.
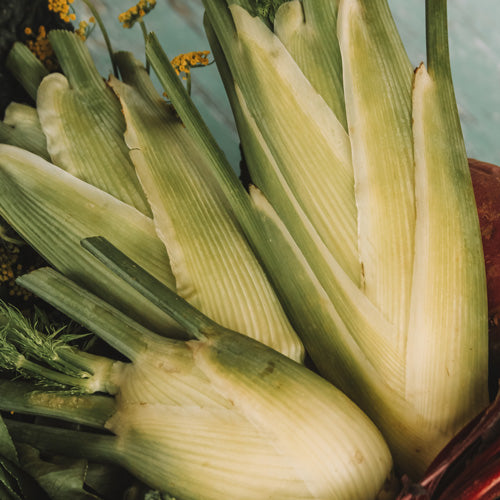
[357,246]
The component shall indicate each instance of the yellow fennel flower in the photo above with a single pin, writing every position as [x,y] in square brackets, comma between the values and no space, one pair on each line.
[184,62]
[40,46]
[62,7]
[136,13]
[84,28]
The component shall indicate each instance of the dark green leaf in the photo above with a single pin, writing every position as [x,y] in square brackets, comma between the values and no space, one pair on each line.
[107,481]
[8,485]
[61,478]
[19,483]
[7,448]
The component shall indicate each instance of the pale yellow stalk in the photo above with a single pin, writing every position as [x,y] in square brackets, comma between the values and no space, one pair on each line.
[214,267]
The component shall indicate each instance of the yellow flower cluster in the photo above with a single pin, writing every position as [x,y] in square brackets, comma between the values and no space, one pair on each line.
[40,46]
[135,13]
[84,28]
[62,8]
[184,62]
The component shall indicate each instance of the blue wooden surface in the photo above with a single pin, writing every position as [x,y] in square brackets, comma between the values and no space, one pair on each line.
[474,47]
[179,26]
[475,58]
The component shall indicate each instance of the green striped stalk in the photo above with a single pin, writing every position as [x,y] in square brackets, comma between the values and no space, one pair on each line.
[53,210]
[213,264]
[21,127]
[377,83]
[308,30]
[349,340]
[447,381]
[32,399]
[307,148]
[82,121]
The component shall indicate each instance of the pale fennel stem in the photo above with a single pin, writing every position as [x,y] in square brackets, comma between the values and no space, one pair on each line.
[124,334]
[446,362]
[195,322]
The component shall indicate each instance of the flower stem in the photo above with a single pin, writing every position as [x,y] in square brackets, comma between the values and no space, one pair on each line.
[438,58]
[98,19]
[144,31]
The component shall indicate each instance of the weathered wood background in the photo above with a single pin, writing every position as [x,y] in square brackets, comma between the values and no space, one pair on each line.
[474,45]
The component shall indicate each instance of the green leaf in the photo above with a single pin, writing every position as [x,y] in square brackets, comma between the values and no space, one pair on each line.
[108,481]
[62,478]
[7,448]
[6,491]
[15,483]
